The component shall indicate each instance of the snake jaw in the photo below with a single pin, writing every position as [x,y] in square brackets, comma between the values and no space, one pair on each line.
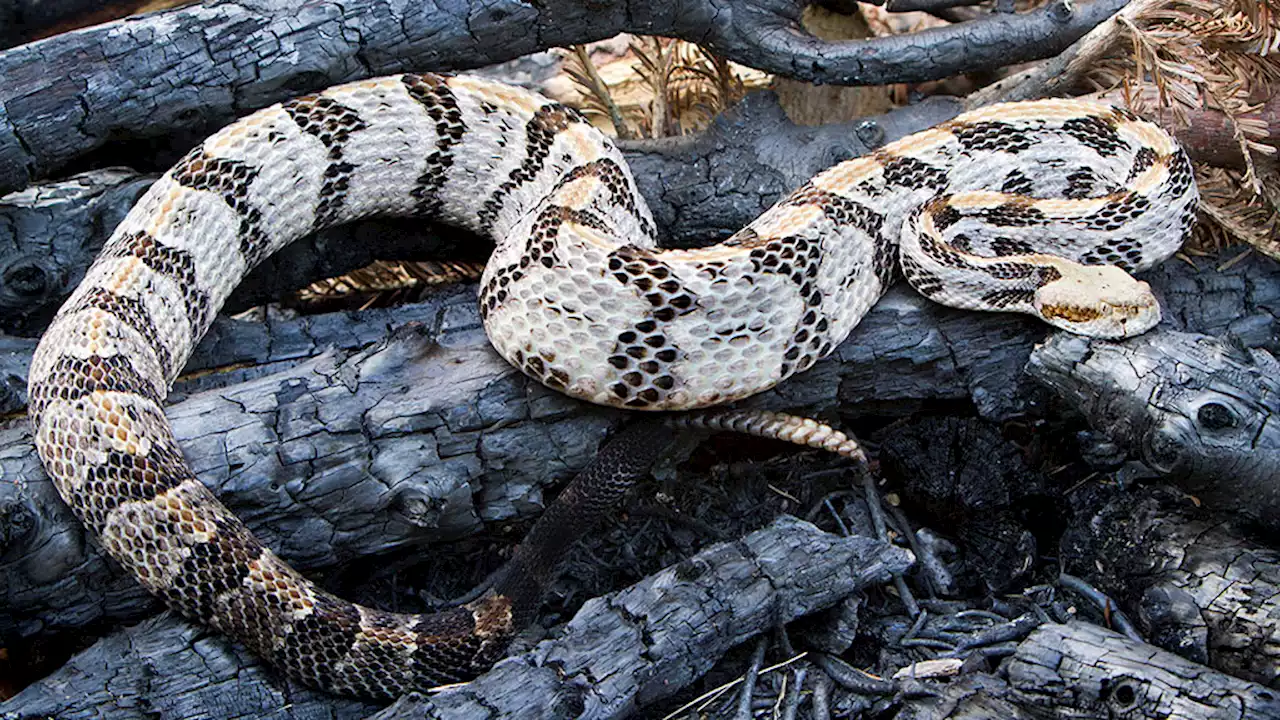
[1099,301]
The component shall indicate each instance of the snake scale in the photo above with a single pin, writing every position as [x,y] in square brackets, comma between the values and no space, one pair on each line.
[1036,207]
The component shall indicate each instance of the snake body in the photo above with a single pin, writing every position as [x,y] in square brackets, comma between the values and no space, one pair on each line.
[1036,207]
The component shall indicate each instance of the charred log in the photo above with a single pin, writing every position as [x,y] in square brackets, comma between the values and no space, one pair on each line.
[1092,671]
[328,461]
[960,474]
[633,647]
[905,351]
[68,95]
[1197,409]
[1196,585]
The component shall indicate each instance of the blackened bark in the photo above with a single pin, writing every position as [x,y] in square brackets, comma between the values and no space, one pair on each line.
[159,83]
[1098,673]
[1197,586]
[641,644]
[1198,409]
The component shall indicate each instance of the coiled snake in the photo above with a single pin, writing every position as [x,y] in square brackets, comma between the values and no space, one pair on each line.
[995,210]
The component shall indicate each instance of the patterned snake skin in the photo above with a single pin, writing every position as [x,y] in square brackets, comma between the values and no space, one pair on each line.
[576,294]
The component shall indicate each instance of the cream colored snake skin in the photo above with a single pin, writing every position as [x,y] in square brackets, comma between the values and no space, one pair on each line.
[993,210]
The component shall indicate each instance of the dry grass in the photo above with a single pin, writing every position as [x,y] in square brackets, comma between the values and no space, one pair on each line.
[383,284]
[661,88]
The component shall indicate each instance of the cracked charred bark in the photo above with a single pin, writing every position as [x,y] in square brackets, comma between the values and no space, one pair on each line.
[164,81]
[1197,586]
[300,433]
[328,460]
[619,653]
[308,454]
[1080,670]
[1092,671]
[1197,409]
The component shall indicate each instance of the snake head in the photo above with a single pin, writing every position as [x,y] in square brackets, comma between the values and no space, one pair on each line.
[1100,301]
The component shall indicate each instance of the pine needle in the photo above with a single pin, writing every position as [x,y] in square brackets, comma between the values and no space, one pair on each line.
[1223,55]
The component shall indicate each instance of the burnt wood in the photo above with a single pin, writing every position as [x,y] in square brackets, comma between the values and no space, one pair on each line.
[65,98]
[650,640]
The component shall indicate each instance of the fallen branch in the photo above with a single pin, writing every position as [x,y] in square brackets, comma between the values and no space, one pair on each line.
[471,430]
[619,653]
[1195,408]
[168,79]
[635,647]
[167,667]
[254,435]
[328,462]
[1086,671]
[1198,587]
[1054,76]
[1099,673]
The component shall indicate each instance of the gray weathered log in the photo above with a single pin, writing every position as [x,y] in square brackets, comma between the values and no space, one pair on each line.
[620,652]
[1083,671]
[1201,410]
[701,189]
[1093,672]
[905,351]
[1197,586]
[635,647]
[166,668]
[310,457]
[169,78]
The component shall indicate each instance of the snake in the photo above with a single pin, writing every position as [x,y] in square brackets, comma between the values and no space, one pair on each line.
[1042,207]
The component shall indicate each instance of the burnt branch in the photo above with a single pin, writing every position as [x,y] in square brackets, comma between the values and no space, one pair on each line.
[1059,73]
[437,434]
[159,83]
[642,644]
[1197,586]
[168,667]
[276,410]
[656,636]
[1083,670]
[328,461]
[1099,673]
[1198,409]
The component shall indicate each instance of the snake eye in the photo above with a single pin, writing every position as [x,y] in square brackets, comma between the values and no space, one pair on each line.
[1216,416]
[1162,449]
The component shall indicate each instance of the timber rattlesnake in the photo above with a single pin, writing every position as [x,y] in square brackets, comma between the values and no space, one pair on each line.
[576,294]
